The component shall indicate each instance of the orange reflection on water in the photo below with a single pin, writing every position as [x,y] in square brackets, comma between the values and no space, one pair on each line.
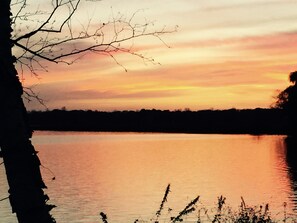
[125,174]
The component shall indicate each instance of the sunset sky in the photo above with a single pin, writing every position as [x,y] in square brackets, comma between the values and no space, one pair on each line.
[226,54]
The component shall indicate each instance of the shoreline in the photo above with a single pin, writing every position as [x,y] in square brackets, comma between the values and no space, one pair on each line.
[249,121]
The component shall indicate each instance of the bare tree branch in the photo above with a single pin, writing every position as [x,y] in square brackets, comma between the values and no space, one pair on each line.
[65,46]
[72,7]
[23,5]
[55,38]
[30,94]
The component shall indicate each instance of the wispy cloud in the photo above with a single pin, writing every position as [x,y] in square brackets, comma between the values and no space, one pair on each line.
[245,4]
[223,50]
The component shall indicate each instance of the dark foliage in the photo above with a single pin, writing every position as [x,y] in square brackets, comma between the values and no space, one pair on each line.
[287,100]
[232,121]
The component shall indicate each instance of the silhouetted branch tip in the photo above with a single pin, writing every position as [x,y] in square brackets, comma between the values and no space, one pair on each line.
[103,217]
[187,210]
[62,42]
[3,199]
[164,200]
[30,94]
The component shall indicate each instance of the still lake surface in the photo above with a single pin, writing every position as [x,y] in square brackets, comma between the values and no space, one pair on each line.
[125,174]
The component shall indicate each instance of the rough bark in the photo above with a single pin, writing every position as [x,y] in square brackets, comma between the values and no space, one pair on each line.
[21,162]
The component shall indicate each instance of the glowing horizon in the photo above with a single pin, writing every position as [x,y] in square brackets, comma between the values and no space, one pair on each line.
[226,54]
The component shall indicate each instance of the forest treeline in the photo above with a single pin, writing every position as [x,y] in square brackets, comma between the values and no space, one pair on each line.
[231,121]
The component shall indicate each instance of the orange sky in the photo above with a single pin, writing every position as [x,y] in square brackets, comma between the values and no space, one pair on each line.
[226,54]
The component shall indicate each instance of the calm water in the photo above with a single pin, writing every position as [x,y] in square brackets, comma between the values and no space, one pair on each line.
[125,174]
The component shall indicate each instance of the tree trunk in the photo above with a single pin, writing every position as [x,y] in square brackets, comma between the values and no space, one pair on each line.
[21,162]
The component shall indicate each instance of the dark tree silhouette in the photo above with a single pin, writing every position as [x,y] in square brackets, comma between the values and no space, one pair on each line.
[287,100]
[51,38]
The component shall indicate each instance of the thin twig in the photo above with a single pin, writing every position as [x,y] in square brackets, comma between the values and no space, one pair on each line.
[164,200]
[188,209]
[3,199]
[53,174]
[60,45]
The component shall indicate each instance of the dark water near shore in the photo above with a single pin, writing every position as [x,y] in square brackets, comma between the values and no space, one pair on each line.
[125,174]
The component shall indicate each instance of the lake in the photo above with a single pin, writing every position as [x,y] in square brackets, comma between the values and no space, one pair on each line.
[125,174]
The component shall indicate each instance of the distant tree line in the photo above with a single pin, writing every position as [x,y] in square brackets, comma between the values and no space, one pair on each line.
[231,121]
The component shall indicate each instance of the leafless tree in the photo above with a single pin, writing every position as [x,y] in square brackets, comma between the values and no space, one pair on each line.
[57,40]
[30,38]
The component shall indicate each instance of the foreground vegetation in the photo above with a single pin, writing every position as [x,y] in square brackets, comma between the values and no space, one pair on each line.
[195,212]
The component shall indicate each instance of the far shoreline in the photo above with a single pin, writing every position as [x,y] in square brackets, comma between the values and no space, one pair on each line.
[259,121]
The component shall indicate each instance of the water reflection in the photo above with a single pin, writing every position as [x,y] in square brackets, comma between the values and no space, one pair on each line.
[291,155]
[124,174]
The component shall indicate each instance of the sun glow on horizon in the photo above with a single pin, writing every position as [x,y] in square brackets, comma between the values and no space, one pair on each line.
[224,55]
